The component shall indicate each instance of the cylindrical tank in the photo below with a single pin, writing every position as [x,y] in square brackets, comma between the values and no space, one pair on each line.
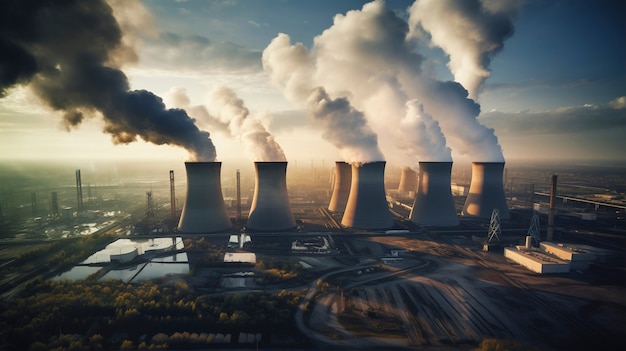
[486,191]
[367,203]
[341,188]
[433,203]
[408,180]
[270,208]
[204,210]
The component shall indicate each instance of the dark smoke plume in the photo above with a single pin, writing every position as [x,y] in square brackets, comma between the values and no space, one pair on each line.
[67,52]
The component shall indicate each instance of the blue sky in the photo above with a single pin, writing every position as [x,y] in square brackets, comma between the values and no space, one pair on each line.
[553,92]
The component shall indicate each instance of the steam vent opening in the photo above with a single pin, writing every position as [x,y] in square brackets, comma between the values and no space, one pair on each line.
[270,209]
[367,204]
[341,188]
[486,191]
[433,203]
[204,210]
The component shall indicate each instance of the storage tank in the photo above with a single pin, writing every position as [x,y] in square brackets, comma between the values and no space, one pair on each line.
[270,210]
[341,187]
[204,210]
[367,203]
[486,191]
[433,203]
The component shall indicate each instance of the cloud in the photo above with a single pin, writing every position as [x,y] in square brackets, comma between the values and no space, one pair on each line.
[196,53]
[588,132]
[469,31]
[566,120]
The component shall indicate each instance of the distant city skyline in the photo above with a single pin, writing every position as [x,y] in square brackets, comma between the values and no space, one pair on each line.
[554,90]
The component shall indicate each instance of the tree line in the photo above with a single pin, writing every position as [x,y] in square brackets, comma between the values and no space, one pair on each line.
[115,315]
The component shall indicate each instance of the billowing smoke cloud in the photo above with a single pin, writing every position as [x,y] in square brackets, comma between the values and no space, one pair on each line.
[469,31]
[421,126]
[344,127]
[69,52]
[258,142]
[227,113]
[369,56]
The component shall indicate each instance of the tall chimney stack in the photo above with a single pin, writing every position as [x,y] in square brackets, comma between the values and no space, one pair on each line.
[486,191]
[238,197]
[79,192]
[270,209]
[551,210]
[433,203]
[367,203]
[204,210]
[341,188]
[172,196]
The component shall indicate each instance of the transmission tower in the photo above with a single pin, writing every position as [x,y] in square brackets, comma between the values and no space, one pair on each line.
[533,231]
[494,226]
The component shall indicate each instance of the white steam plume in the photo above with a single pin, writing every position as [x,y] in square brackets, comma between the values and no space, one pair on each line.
[421,126]
[343,126]
[369,56]
[469,31]
[259,144]
[229,115]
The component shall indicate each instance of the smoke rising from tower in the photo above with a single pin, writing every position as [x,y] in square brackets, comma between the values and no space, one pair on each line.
[258,142]
[370,57]
[343,126]
[227,113]
[469,31]
[70,52]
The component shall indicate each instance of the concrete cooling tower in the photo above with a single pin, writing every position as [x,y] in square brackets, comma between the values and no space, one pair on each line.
[204,210]
[486,191]
[408,180]
[270,208]
[367,204]
[433,203]
[341,188]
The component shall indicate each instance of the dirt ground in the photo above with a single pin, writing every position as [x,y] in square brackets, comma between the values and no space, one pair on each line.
[465,295]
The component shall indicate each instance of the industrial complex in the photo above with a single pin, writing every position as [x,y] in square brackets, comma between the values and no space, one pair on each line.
[437,257]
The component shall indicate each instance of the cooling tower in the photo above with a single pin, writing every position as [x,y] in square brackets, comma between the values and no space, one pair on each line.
[433,203]
[341,188]
[204,210]
[408,180]
[270,208]
[367,204]
[486,191]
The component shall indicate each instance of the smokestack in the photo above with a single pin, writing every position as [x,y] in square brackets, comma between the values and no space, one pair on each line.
[204,210]
[367,203]
[433,203]
[238,197]
[552,208]
[270,208]
[341,188]
[172,196]
[486,191]
[55,205]
[79,191]
[408,180]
